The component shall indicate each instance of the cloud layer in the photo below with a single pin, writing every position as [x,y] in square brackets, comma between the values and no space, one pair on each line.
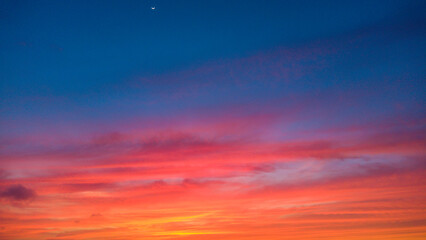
[320,133]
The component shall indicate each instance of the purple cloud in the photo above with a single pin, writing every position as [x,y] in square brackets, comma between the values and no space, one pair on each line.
[18,192]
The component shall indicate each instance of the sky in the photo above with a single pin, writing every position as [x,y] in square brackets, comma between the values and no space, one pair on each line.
[213,119]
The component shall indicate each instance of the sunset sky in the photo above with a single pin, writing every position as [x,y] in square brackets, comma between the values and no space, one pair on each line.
[212,119]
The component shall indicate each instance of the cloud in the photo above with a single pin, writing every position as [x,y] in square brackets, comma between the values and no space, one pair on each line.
[307,172]
[18,193]
[80,187]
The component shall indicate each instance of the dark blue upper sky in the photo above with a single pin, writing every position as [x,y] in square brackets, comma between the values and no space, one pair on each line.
[84,58]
